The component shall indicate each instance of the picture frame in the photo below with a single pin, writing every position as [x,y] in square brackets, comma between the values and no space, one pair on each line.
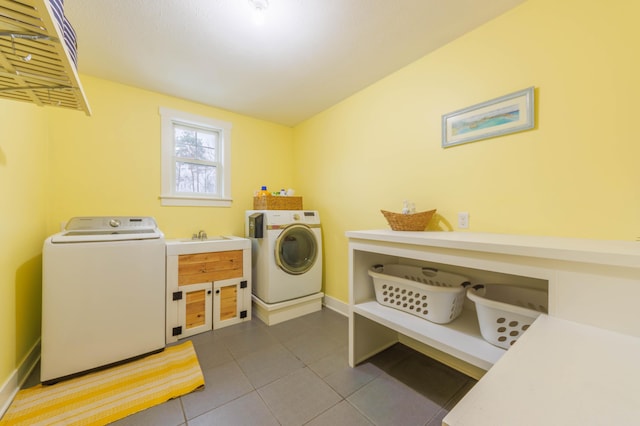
[500,116]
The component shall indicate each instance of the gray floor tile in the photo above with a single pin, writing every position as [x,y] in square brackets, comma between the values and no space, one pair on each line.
[211,353]
[169,414]
[223,383]
[331,363]
[248,410]
[432,379]
[393,355]
[266,365]
[243,327]
[348,380]
[341,414]
[312,345]
[386,401]
[251,340]
[298,397]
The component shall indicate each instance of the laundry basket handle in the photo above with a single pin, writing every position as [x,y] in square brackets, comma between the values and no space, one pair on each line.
[430,272]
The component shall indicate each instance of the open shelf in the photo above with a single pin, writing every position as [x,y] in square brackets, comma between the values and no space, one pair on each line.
[460,338]
[459,344]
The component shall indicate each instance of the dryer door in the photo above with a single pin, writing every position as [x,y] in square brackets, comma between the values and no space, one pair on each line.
[296,249]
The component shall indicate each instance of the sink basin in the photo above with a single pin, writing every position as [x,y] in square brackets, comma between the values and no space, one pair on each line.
[198,240]
[211,244]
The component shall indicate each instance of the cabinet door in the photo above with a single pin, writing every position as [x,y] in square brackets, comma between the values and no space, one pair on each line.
[194,309]
[229,306]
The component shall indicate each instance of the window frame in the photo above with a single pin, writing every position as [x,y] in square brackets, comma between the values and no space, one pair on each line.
[169,196]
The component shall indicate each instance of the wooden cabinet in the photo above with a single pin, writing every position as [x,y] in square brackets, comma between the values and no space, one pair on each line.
[209,289]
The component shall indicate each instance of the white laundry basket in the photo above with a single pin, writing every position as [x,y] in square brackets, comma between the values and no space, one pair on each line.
[425,292]
[505,312]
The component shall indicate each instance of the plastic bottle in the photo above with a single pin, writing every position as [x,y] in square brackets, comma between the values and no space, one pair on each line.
[263,192]
[405,207]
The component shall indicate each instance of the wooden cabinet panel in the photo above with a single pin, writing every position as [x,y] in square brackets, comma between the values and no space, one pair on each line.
[228,302]
[205,267]
[232,302]
[195,310]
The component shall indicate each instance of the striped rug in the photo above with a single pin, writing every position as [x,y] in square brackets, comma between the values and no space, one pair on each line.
[106,396]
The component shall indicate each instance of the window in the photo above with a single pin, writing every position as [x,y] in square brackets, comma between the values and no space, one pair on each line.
[196,160]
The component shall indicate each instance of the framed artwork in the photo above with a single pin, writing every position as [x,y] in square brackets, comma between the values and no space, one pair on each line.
[507,114]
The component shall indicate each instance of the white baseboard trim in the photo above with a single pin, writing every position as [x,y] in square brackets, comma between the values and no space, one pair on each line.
[336,305]
[12,385]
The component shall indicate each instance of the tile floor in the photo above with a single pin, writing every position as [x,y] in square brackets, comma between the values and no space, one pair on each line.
[296,373]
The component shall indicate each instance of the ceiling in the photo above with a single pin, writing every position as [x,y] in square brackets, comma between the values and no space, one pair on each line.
[305,56]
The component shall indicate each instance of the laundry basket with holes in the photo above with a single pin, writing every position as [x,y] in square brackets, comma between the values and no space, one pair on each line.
[506,311]
[428,293]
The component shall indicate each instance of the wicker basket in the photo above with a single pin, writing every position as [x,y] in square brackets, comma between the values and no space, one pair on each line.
[277,203]
[408,222]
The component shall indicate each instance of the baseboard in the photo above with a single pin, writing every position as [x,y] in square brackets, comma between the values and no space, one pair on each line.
[12,385]
[336,305]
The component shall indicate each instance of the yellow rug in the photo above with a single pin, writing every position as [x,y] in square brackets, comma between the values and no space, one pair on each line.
[106,396]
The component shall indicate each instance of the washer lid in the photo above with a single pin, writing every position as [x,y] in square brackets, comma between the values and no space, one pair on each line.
[108,228]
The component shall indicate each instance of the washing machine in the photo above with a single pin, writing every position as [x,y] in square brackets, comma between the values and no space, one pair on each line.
[286,253]
[103,294]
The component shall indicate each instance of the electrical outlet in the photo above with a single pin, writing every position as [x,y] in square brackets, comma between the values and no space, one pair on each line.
[463,220]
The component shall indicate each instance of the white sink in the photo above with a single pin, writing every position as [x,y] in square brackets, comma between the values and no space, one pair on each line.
[211,244]
[204,240]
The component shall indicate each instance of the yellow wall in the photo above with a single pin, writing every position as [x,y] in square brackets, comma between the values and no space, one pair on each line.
[55,164]
[109,163]
[23,166]
[575,174]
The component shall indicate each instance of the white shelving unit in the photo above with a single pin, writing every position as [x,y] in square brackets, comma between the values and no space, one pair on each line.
[35,64]
[599,272]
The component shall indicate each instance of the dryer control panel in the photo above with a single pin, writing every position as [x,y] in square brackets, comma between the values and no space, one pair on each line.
[287,217]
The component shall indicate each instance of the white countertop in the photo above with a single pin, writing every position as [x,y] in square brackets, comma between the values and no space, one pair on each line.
[558,373]
[604,252]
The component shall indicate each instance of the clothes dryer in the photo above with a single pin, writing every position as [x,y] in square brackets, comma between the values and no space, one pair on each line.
[286,253]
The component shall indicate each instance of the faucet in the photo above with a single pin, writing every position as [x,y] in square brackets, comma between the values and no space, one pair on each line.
[201,235]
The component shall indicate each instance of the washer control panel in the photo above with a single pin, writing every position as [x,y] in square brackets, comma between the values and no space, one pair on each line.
[94,223]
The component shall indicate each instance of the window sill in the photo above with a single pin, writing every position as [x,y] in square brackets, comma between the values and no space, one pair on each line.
[193,201]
